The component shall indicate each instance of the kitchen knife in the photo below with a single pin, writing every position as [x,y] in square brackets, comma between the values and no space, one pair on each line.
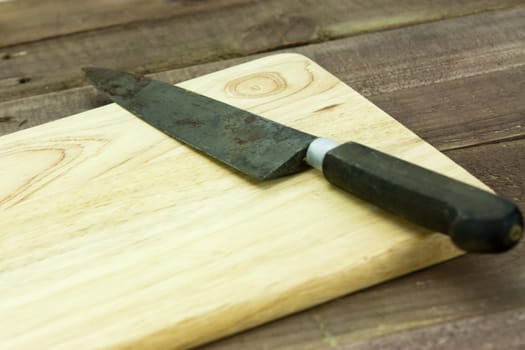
[475,220]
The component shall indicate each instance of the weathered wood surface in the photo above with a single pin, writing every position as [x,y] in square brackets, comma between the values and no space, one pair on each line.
[376,64]
[237,29]
[32,20]
[416,74]
[503,330]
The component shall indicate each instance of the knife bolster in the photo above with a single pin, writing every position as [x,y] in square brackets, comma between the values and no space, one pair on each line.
[317,151]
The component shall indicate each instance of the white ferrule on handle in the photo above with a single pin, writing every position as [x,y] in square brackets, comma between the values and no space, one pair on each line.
[317,150]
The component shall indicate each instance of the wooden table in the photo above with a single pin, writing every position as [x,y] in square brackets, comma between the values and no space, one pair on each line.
[452,71]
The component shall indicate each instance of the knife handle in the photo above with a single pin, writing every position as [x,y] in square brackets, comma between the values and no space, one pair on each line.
[477,221]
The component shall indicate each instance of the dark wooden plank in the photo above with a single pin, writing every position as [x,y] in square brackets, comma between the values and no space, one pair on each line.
[500,165]
[31,20]
[25,21]
[430,90]
[503,330]
[443,113]
[469,287]
[201,36]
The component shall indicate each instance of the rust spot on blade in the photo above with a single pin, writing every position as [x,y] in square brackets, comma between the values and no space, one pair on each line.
[251,137]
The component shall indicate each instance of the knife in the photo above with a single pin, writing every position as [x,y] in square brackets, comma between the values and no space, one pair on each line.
[476,220]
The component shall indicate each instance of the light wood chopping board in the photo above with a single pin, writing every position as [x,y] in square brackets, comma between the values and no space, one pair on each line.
[114,236]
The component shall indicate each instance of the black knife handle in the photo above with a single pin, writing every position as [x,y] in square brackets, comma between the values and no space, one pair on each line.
[476,220]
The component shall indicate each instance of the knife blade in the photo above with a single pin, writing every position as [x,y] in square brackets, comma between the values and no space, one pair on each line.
[476,220]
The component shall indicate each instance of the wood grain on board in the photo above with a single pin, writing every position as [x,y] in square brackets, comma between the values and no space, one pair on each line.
[454,292]
[237,29]
[154,245]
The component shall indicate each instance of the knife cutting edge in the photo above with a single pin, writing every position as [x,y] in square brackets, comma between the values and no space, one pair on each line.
[476,220]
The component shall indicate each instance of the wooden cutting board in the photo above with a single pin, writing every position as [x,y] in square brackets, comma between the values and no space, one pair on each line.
[115,236]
